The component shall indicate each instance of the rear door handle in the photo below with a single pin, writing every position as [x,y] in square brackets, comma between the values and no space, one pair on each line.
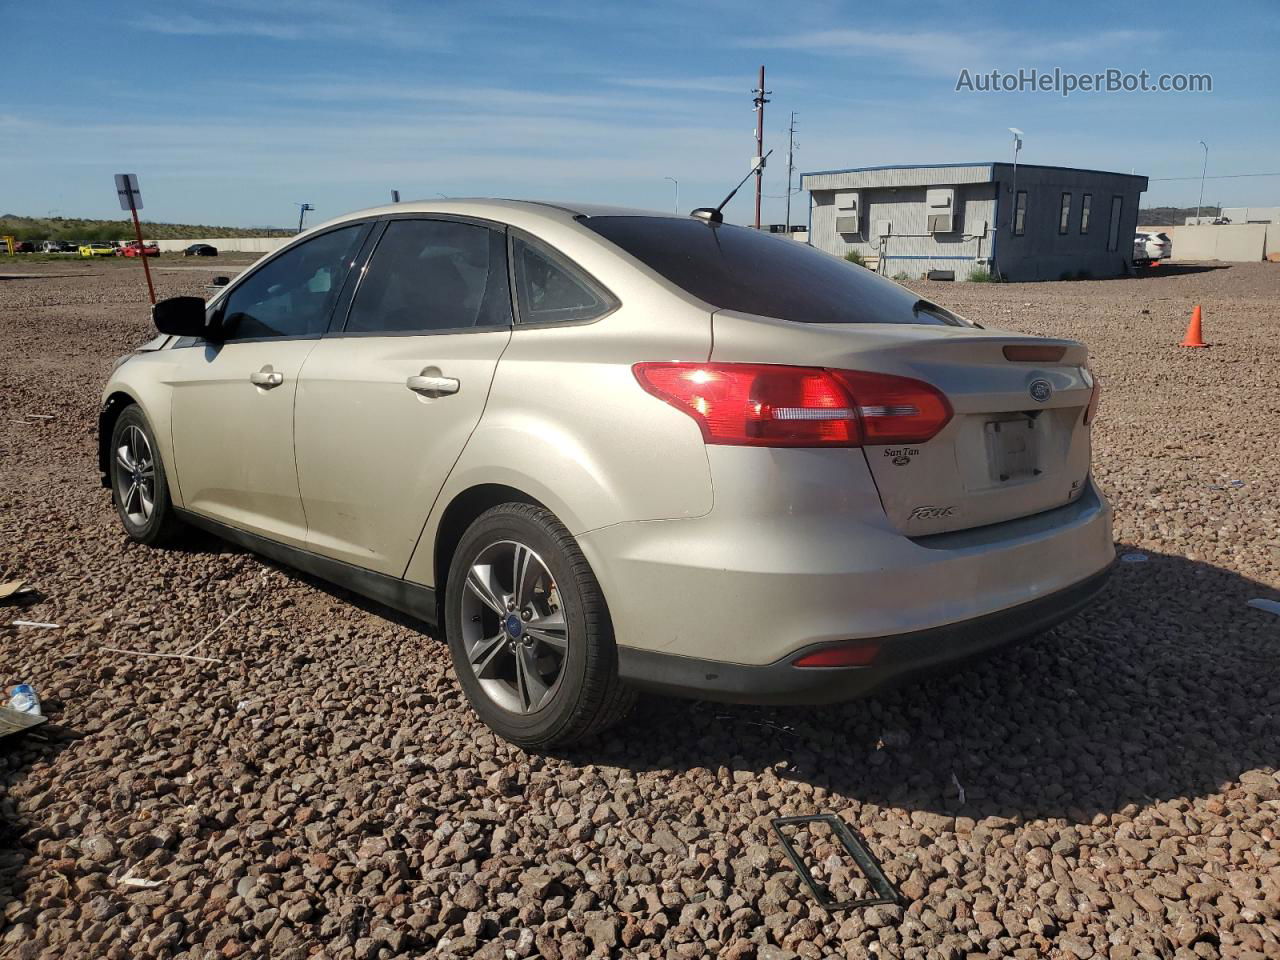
[266,378]
[432,386]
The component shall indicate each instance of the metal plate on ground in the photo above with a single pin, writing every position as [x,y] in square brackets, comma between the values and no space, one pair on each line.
[14,721]
[884,891]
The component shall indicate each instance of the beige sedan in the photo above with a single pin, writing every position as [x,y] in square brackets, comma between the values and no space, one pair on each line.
[606,450]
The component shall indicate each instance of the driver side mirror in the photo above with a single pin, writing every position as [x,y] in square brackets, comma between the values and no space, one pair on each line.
[181,317]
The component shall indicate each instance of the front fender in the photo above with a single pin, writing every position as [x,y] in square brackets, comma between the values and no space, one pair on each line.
[142,380]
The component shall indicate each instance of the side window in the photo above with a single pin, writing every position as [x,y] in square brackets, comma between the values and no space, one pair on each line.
[292,295]
[429,275]
[1064,216]
[1113,229]
[1020,213]
[1085,202]
[550,290]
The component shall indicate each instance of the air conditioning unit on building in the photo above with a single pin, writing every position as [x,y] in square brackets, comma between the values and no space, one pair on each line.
[848,212]
[940,204]
[883,228]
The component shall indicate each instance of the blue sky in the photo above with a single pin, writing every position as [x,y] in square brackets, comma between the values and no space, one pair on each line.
[231,111]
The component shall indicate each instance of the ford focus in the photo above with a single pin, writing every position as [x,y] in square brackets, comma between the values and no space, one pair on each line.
[602,450]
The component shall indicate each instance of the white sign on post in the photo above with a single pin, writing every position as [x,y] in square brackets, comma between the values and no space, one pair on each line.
[127,188]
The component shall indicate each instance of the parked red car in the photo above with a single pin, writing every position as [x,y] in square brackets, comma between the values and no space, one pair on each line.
[136,250]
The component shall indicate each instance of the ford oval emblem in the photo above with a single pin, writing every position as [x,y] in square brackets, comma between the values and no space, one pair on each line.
[1041,390]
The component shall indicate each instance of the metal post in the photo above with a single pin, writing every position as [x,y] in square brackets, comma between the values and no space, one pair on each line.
[791,165]
[676,208]
[1203,171]
[146,267]
[760,100]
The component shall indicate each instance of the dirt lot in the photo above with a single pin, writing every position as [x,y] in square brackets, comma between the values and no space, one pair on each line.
[1107,790]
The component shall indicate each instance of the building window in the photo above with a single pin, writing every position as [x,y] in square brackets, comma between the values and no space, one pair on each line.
[1085,202]
[1113,230]
[1064,217]
[1020,213]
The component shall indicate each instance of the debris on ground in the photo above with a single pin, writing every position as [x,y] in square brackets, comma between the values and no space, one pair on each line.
[36,624]
[1133,558]
[1271,606]
[882,892]
[12,588]
[23,699]
[15,721]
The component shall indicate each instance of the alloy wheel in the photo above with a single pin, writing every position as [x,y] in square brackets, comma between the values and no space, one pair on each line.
[513,626]
[135,475]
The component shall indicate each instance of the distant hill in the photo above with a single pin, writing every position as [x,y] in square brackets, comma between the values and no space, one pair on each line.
[1172,216]
[37,229]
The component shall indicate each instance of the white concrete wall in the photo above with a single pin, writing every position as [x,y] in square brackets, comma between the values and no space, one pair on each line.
[1241,243]
[227,244]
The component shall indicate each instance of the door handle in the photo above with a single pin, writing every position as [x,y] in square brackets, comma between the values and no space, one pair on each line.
[432,386]
[266,378]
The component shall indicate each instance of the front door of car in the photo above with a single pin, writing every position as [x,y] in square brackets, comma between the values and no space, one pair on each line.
[386,403]
[233,399]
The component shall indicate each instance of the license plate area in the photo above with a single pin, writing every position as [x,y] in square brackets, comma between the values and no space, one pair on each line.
[1013,448]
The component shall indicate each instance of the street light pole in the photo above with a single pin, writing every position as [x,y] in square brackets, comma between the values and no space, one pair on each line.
[1013,207]
[1203,171]
[302,213]
[676,208]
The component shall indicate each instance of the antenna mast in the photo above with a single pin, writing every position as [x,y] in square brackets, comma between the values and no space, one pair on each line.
[791,165]
[761,98]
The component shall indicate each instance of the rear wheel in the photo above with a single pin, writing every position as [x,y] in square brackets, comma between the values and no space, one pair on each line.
[529,631]
[139,486]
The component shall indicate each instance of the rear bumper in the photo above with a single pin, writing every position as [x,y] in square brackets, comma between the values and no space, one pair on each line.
[901,657]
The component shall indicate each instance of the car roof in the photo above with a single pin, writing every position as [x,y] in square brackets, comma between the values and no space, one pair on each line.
[491,208]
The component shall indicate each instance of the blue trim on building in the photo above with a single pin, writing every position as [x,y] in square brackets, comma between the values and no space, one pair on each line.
[990,164]
[921,256]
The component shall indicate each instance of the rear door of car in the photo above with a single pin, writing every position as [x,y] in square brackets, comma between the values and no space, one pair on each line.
[388,399]
[233,400]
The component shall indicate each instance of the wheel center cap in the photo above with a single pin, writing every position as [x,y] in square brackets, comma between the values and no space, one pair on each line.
[513,625]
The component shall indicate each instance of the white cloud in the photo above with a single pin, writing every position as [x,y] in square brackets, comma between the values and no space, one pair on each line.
[306,20]
[947,52]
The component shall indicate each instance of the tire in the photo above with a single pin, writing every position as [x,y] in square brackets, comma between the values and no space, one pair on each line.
[543,673]
[136,471]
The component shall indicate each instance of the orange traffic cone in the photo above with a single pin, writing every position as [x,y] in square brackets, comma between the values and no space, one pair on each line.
[1194,337]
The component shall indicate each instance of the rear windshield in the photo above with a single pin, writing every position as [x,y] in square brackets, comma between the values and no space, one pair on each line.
[737,268]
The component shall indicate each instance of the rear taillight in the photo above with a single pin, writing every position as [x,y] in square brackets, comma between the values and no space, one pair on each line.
[1095,396]
[771,405]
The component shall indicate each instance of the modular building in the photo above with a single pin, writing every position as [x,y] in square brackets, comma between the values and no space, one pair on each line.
[1026,222]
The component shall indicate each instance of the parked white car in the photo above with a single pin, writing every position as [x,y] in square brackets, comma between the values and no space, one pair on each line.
[605,450]
[1151,247]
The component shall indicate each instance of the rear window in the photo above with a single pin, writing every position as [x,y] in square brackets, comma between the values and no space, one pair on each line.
[737,268]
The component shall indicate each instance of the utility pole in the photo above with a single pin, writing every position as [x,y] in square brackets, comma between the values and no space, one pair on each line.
[1203,171]
[761,98]
[791,165]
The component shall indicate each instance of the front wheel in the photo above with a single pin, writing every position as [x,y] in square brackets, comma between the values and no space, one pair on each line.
[529,632]
[139,487]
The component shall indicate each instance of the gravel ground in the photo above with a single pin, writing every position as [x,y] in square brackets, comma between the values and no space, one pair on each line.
[1107,790]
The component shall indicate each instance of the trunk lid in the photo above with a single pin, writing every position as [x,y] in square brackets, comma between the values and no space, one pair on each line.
[1016,443]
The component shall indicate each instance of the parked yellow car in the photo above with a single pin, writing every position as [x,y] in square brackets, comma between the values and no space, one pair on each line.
[97,250]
